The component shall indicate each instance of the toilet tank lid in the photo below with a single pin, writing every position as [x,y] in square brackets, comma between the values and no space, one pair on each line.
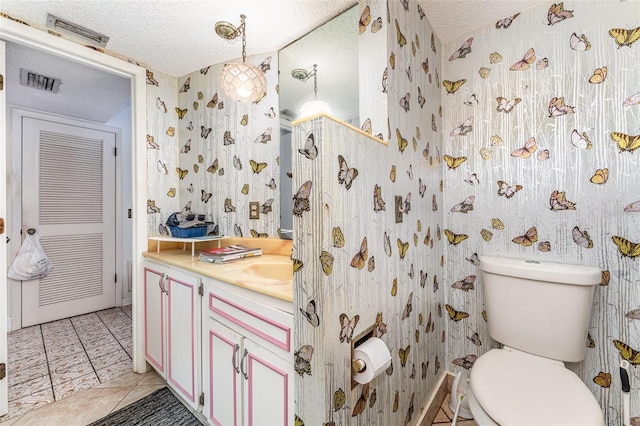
[515,389]
[541,271]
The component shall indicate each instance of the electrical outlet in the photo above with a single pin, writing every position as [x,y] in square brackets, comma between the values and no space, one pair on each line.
[254,210]
[398,209]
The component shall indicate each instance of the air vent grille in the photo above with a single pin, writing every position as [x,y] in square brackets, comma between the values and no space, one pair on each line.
[64,26]
[39,81]
[287,114]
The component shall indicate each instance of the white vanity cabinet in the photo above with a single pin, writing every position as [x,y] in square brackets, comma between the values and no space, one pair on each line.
[172,323]
[247,358]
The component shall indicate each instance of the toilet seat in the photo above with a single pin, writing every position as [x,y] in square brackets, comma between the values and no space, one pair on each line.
[516,388]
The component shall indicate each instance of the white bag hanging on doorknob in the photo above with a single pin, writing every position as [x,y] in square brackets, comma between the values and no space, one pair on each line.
[31,262]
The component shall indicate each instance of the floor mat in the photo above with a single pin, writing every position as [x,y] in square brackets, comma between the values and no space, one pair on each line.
[160,408]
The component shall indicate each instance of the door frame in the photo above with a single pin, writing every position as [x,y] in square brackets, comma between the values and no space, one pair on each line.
[40,40]
[17,115]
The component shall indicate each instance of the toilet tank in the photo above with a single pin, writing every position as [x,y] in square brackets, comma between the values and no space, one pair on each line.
[542,308]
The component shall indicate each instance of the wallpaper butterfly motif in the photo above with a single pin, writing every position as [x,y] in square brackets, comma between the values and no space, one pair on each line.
[302,363]
[453,86]
[627,352]
[529,148]
[529,237]
[579,43]
[346,175]
[581,140]
[465,284]
[455,315]
[581,238]
[557,13]
[626,247]
[506,22]
[506,190]
[624,37]
[463,51]
[464,128]
[465,206]
[626,142]
[557,107]
[301,199]
[526,61]
[378,202]
[347,326]
[359,259]
[311,314]
[310,150]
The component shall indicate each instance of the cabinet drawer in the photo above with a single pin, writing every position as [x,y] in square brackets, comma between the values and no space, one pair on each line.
[265,325]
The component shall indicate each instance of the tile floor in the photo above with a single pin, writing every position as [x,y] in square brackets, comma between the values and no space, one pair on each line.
[55,360]
[89,405]
[445,415]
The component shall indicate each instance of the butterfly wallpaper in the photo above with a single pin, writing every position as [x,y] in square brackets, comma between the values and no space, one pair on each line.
[359,269]
[212,155]
[523,144]
[551,166]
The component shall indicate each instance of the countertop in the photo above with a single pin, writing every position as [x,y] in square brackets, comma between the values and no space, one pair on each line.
[231,272]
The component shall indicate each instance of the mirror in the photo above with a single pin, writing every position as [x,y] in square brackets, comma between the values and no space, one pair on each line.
[333,49]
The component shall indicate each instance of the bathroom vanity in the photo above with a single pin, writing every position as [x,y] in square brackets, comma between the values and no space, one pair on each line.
[222,335]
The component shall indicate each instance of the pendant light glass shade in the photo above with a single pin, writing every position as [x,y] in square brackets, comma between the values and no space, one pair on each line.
[314,107]
[243,82]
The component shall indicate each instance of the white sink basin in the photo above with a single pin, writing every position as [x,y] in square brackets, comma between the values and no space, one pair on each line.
[281,271]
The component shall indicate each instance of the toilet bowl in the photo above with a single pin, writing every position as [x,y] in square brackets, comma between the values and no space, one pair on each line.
[509,387]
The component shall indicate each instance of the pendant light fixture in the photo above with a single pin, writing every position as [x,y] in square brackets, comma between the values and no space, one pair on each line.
[240,81]
[315,106]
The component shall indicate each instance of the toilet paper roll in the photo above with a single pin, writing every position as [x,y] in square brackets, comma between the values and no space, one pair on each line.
[376,356]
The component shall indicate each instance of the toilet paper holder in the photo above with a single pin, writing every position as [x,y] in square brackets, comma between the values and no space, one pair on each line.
[357,365]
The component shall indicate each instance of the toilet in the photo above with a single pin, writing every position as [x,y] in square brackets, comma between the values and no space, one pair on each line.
[540,313]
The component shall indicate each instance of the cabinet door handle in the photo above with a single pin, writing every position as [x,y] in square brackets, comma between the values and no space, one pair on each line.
[161,284]
[242,364]
[234,359]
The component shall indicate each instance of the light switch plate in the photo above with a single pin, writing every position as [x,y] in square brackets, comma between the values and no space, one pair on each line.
[398,208]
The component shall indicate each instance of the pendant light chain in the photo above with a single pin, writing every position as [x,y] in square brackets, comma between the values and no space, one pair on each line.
[244,41]
[315,81]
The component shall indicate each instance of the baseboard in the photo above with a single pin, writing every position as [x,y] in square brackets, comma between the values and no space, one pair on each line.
[432,405]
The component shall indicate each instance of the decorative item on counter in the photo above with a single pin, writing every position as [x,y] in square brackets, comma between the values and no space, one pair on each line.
[187,225]
[229,253]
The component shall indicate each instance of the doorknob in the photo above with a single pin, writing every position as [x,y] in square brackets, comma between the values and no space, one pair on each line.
[31,231]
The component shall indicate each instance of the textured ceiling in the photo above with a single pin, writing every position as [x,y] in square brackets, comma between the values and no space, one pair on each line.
[177,37]
[85,92]
[452,19]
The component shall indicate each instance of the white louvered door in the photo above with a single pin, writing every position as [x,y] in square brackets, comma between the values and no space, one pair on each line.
[68,196]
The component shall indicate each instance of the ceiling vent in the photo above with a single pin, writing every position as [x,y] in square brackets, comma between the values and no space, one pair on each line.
[287,114]
[66,27]
[39,81]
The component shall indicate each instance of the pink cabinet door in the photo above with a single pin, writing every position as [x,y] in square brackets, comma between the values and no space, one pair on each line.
[183,335]
[154,316]
[221,370]
[267,387]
